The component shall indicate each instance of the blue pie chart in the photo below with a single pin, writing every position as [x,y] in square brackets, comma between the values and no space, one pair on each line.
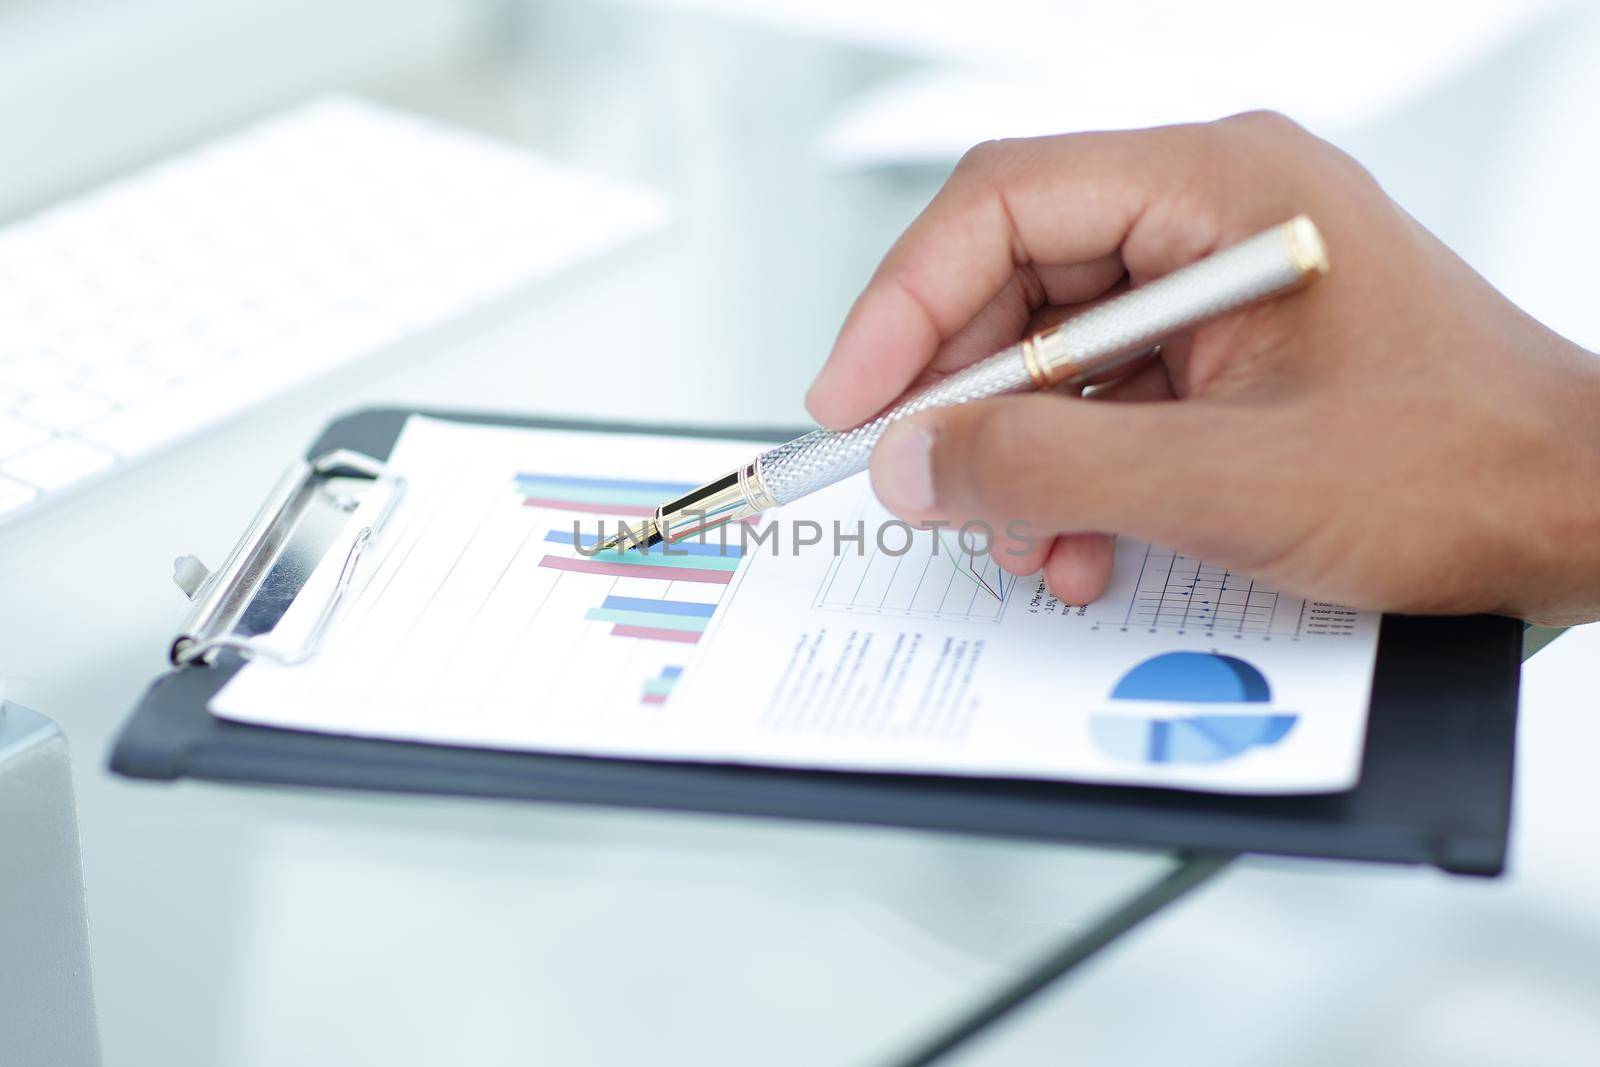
[1194,678]
[1205,734]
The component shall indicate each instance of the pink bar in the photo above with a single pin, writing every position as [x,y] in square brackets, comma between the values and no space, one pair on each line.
[687,637]
[655,698]
[591,509]
[637,570]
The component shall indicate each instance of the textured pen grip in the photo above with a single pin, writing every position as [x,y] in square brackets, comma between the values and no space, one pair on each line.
[823,457]
[1087,345]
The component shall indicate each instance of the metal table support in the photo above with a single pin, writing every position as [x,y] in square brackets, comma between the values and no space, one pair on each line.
[1191,871]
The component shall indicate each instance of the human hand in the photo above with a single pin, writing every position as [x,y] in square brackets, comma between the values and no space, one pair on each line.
[1397,436]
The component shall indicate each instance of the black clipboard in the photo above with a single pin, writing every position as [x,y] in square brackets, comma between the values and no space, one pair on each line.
[1435,781]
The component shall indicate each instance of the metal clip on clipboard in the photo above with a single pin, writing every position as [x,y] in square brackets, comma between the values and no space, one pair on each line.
[307,515]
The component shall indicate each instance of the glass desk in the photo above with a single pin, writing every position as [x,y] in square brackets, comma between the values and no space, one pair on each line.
[260,926]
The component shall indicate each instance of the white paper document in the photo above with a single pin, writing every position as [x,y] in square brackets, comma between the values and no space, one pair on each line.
[481,616]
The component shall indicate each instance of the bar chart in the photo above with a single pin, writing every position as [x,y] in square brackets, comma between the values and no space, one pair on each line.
[657,618]
[657,689]
[596,496]
[657,599]
[686,562]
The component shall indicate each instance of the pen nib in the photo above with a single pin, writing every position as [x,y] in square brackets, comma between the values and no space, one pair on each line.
[646,536]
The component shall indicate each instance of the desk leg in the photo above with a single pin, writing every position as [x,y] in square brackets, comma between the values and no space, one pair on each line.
[1191,871]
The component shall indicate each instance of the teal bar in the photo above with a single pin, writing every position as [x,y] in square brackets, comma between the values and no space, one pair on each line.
[648,618]
[659,686]
[654,558]
[583,494]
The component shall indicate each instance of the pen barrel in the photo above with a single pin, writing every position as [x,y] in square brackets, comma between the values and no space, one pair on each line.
[1093,346]
[820,458]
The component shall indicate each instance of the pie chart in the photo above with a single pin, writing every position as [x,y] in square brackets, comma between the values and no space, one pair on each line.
[1209,733]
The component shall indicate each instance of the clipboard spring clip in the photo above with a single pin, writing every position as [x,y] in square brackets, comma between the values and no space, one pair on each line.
[306,518]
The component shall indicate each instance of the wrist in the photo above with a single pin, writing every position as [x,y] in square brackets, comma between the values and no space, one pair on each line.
[1566,587]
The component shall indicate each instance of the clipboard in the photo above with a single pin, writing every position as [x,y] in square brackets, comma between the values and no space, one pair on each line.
[1435,783]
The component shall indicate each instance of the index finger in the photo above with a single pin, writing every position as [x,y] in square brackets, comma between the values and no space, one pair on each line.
[1052,200]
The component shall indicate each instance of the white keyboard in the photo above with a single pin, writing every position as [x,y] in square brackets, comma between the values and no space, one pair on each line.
[161,304]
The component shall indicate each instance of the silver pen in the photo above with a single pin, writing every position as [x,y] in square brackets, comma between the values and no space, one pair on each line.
[1095,346]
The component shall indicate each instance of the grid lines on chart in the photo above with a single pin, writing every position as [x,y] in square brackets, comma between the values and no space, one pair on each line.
[1178,591]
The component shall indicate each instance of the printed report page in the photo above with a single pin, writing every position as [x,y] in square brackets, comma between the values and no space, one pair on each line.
[826,635]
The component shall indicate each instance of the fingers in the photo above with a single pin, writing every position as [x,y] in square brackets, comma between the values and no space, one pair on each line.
[1078,567]
[1162,198]
[997,325]
[1016,310]
[1063,200]
[1065,465]
[1148,383]
[1073,283]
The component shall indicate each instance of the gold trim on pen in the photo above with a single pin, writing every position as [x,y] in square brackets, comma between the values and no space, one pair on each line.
[754,487]
[1036,369]
[1307,251]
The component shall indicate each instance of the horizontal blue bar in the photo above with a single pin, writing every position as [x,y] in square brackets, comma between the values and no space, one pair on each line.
[671,672]
[659,607]
[664,488]
[688,548]
[655,620]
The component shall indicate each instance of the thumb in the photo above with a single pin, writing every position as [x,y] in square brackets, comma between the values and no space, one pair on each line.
[1164,472]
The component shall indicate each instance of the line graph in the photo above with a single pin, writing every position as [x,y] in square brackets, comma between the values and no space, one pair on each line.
[934,578]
